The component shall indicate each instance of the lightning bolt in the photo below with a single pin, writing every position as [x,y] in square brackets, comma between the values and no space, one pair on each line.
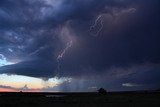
[97,21]
[61,55]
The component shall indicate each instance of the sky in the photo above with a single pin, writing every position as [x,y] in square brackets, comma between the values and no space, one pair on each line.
[79,45]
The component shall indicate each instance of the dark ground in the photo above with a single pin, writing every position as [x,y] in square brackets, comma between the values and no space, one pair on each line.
[112,99]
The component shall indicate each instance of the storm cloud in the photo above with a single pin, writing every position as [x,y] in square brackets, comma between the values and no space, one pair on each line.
[81,39]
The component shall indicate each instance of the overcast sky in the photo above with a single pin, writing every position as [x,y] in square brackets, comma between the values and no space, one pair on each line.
[79,45]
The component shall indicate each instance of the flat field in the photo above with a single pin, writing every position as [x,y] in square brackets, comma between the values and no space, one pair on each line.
[111,99]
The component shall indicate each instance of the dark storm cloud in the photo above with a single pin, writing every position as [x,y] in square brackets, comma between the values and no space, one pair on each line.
[31,14]
[135,77]
[33,68]
[36,31]
[19,13]
[28,27]
[132,39]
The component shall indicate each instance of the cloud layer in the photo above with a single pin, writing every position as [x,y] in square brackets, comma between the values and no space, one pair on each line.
[75,38]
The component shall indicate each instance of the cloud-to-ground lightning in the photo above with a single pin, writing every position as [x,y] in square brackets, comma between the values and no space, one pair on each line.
[61,55]
[66,37]
[69,44]
[96,28]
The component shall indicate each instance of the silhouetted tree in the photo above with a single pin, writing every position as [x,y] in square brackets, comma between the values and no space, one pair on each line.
[102,91]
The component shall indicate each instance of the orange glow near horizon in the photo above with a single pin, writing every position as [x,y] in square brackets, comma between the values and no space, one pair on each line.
[14,90]
[27,84]
[7,90]
[18,81]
